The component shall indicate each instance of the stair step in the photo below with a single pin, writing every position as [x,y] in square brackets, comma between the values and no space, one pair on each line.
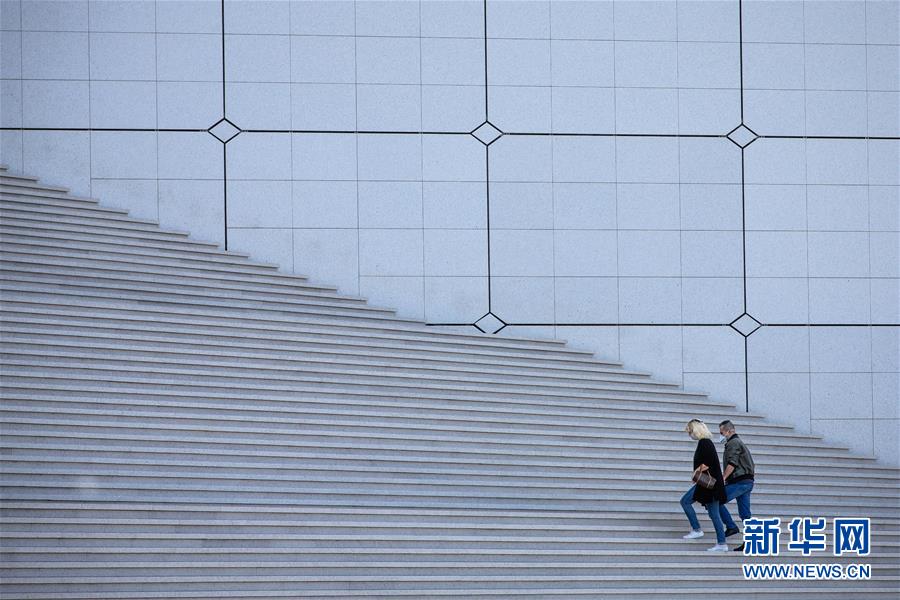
[423,340]
[40,352]
[31,200]
[628,434]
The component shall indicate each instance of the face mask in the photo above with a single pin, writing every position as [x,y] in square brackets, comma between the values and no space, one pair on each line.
[722,439]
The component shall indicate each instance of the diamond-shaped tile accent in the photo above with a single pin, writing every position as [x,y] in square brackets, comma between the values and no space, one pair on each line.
[224,130]
[742,136]
[490,323]
[745,325]
[486,133]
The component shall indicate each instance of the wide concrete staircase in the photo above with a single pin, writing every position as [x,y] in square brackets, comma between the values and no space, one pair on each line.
[184,422]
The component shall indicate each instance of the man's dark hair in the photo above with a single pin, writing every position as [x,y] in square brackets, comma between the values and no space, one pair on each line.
[727,425]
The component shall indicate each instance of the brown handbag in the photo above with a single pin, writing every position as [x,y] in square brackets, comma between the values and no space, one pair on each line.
[702,478]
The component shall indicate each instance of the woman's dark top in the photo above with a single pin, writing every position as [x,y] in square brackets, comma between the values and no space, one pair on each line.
[706,454]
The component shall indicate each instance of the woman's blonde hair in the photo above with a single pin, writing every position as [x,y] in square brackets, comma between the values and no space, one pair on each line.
[698,429]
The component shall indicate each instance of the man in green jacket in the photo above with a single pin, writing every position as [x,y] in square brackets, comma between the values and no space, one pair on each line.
[738,473]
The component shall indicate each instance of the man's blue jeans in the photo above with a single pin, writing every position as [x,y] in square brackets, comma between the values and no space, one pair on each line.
[713,509]
[740,492]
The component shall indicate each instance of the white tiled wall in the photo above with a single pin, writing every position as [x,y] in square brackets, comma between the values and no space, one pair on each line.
[614,212]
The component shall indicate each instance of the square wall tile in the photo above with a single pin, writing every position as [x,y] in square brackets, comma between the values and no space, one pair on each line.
[584,205]
[650,159]
[521,205]
[835,22]
[713,65]
[711,253]
[388,107]
[323,59]
[582,63]
[388,60]
[661,347]
[841,395]
[586,299]
[325,204]
[521,158]
[453,205]
[520,108]
[525,300]
[583,109]
[390,204]
[778,299]
[123,16]
[521,253]
[260,204]
[188,105]
[322,156]
[403,294]
[452,107]
[61,157]
[389,157]
[452,61]
[779,350]
[519,62]
[140,197]
[455,252]
[189,155]
[647,206]
[855,434]
[452,18]
[323,17]
[713,349]
[390,252]
[51,55]
[581,159]
[264,106]
[258,16]
[840,349]
[195,206]
[711,299]
[582,19]
[708,20]
[645,300]
[518,18]
[323,107]
[49,15]
[261,58]
[56,104]
[783,397]
[646,64]
[649,253]
[776,254]
[328,256]
[646,110]
[122,104]
[269,245]
[451,158]
[188,16]
[584,253]
[838,254]
[710,207]
[194,57]
[120,155]
[652,20]
[452,299]
[123,56]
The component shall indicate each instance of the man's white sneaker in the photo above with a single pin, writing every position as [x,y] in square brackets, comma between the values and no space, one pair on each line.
[718,548]
[693,535]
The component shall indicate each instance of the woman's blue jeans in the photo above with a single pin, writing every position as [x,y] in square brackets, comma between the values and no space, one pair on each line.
[687,504]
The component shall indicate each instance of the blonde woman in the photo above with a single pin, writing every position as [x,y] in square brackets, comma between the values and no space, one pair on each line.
[705,459]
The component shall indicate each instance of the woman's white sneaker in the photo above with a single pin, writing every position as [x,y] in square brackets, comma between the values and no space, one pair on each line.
[718,548]
[693,535]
